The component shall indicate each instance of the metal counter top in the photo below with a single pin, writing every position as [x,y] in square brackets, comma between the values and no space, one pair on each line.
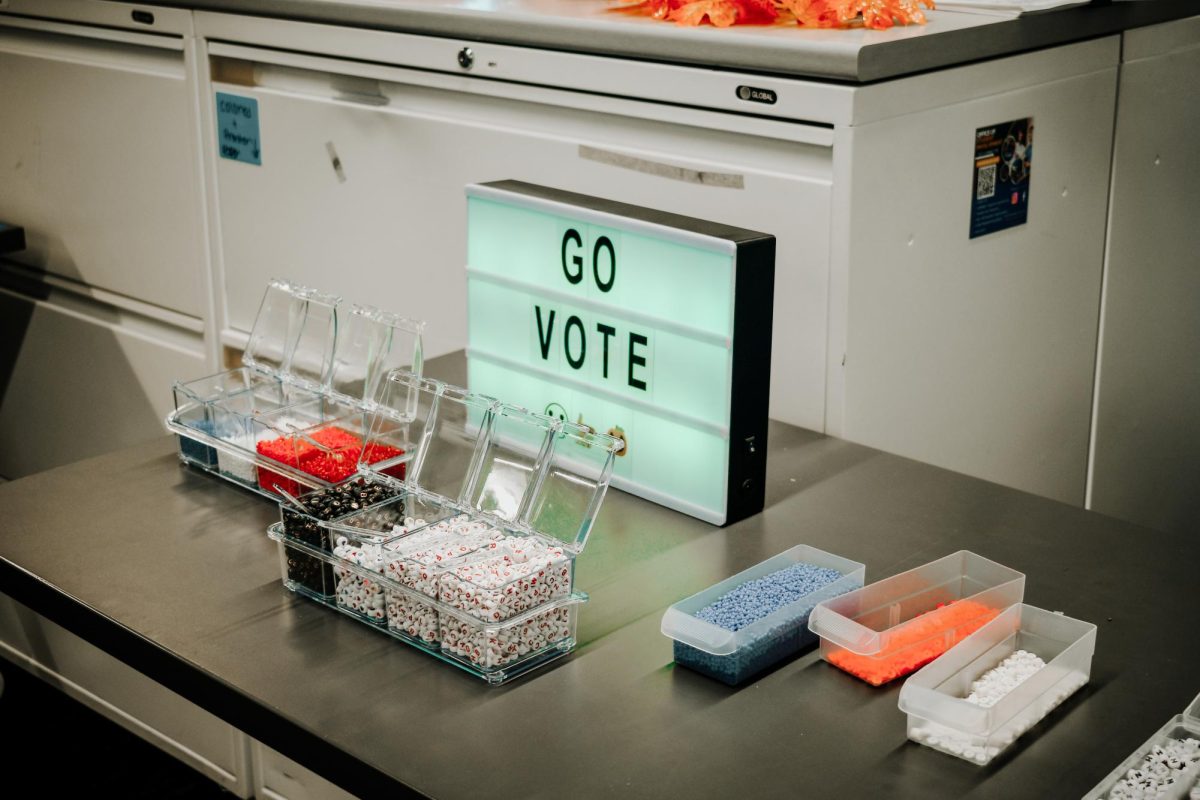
[171,571]
[589,26]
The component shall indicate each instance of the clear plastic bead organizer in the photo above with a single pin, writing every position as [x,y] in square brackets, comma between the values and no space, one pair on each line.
[892,627]
[1181,731]
[296,415]
[941,716]
[472,558]
[734,656]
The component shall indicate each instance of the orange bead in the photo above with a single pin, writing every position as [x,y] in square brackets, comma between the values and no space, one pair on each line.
[917,642]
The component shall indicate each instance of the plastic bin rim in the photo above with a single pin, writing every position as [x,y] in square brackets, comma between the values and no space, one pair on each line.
[874,645]
[1192,712]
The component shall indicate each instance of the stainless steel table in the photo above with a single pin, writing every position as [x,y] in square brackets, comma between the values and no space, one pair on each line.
[171,571]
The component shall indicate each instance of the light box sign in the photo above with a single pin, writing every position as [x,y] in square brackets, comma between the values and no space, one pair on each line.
[653,327]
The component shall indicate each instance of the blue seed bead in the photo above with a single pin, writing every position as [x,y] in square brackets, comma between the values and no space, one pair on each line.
[753,600]
[196,451]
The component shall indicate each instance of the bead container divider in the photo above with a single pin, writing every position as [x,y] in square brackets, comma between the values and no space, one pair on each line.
[492,465]
[362,526]
[734,656]
[307,353]
[310,529]
[1182,726]
[940,717]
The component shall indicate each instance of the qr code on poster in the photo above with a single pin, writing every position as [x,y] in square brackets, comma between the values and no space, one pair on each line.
[985,184]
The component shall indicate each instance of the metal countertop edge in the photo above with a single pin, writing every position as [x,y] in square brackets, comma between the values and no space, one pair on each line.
[199,686]
[871,63]
[1012,37]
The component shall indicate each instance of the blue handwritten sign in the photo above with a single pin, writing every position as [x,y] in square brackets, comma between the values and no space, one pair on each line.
[237,128]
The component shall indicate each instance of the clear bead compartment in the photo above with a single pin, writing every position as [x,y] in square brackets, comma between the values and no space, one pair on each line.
[307,519]
[473,558]
[297,414]
[496,652]
[1179,730]
[940,716]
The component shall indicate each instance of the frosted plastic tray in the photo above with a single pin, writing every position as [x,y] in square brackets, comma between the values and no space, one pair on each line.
[897,625]
[734,656]
[940,717]
[1181,726]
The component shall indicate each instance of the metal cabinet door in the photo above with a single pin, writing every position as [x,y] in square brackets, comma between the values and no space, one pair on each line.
[1146,426]
[98,161]
[978,354]
[125,696]
[277,777]
[360,190]
[78,379]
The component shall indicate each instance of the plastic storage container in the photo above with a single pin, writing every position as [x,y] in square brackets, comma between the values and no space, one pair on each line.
[894,626]
[1182,732]
[296,415]
[940,716]
[473,558]
[733,656]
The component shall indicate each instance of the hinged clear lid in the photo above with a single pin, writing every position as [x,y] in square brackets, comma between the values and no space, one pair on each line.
[293,334]
[310,339]
[369,344]
[520,469]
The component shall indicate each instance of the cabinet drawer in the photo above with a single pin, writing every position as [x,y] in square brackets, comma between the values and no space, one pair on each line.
[277,777]
[77,380]
[98,163]
[125,696]
[362,184]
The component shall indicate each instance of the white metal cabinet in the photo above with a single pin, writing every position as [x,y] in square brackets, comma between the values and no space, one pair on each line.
[978,354]
[98,157]
[1146,426]
[125,696]
[892,327]
[387,223]
[79,378]
[277,777]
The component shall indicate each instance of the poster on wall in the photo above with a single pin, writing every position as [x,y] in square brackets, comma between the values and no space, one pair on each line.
[650,326]
[1000,181]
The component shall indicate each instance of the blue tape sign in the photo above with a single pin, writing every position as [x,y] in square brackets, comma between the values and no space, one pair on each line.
[237,128]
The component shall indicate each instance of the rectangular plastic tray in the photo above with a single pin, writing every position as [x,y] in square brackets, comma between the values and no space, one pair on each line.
[494,651]
[296,416]
[940,717]
[1179,728]
[734,656]
[484,571]
[892,627]
[493,505]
